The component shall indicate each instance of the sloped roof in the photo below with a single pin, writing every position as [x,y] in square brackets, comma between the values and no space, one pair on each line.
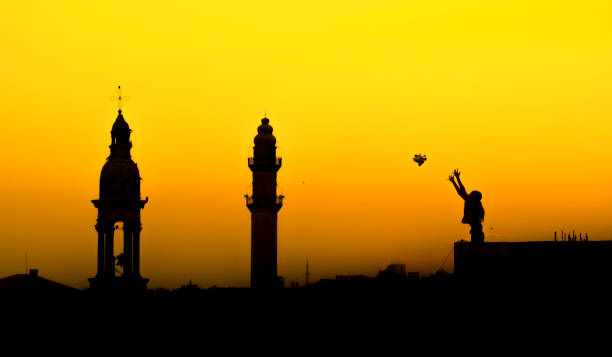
[32,283]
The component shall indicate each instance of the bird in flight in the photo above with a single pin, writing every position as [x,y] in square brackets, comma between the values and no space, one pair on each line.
[419,159]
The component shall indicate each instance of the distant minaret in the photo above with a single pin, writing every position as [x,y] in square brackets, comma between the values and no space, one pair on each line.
[307,274]
[119,202]
[264,205]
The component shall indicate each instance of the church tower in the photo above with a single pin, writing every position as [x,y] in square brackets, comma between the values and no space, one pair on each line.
[264,205]
[119,202]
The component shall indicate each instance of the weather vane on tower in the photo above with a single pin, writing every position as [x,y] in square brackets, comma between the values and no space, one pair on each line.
[119,97]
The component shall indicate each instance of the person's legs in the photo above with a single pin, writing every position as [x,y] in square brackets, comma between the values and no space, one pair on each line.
[476,233]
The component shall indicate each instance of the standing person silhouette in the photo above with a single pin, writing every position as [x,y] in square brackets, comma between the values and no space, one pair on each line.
[473,212]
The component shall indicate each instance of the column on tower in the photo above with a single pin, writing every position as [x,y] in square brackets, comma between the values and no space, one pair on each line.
[136,241]
[128,232]
[100,230]
[109,257]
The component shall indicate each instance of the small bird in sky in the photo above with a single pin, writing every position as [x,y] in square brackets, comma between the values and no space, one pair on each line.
[420,159]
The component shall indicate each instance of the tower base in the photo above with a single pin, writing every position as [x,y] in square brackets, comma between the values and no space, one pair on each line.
[118,283]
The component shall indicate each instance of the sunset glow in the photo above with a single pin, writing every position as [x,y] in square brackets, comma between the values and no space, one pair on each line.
[516,94]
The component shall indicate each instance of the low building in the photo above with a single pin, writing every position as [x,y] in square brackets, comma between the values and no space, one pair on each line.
[33,285]
[544,261]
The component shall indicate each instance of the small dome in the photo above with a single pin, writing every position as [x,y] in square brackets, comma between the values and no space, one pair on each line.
[120,178]
[264,133]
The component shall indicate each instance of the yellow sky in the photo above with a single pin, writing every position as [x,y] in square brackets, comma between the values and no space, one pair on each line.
[515,93]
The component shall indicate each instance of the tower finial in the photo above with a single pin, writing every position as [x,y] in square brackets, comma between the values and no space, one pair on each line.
[119,98]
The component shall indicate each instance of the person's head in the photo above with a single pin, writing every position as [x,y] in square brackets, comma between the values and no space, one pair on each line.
[476,195]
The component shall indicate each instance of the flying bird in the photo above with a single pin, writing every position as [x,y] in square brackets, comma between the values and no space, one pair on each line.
[420,159]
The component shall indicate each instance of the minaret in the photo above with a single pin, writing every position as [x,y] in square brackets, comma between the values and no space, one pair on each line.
[264,205]
[307,281]
[119,202]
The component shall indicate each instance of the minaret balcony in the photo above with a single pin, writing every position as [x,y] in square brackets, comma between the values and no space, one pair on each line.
[277,205]
[278,162]
[279,201]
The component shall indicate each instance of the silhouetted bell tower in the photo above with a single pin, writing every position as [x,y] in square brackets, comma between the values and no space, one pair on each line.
[264,205]
[119,202]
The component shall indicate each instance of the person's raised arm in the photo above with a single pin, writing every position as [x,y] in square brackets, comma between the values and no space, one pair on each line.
[451,178]
[461,189]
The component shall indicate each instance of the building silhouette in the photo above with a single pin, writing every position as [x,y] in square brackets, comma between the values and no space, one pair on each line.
[264,205]
[538,261]
[33,285]
[119,202]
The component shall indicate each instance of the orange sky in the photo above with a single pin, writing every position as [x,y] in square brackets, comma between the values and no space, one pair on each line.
[515,93]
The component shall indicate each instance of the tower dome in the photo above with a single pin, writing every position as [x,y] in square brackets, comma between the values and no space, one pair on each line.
[120,177]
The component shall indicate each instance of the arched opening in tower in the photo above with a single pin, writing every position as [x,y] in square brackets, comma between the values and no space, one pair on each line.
[118,248]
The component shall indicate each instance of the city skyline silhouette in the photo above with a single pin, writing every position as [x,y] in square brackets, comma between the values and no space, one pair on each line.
[119,206]
[513,97]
